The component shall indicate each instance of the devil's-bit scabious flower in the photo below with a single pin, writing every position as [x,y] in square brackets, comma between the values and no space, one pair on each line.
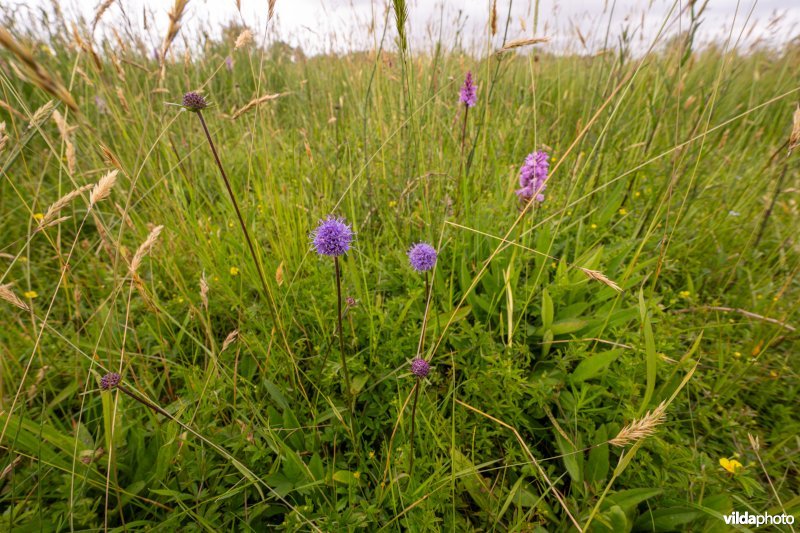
[422,257]
[469,93]
[420,367]
[533,175]
[229,63]
[194,102]
[110,381]
[332,237]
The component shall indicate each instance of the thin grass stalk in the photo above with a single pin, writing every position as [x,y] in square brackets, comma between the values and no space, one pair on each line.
[259,268]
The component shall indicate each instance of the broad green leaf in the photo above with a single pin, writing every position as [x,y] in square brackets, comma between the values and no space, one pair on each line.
[597,466]
[593,365]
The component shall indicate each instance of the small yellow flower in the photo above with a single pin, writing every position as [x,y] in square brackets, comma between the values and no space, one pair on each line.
[731,465]
[30,295]
[371,454]
[637,194]
[737,354]
[230,224]
[593,226]
[357,474]
[392,203]
[553,264]
[773,374]
[38,216]
[553,159]
[234,271]
[684,294]
[623,211]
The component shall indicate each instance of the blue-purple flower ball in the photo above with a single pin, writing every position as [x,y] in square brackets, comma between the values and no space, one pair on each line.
[422,257]
[420,367]
[332,237]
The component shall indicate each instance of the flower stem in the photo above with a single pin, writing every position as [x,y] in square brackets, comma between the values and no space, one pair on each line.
[461,170]
[413,419]
[349,391]
[259,268]
[768,212]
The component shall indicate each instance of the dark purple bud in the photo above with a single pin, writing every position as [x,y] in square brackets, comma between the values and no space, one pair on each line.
[420,367]
[110,381]
[194,102]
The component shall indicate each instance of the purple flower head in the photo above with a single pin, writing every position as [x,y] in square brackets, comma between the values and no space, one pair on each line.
[194,102]
[229,63]
[332,237]
[420,367]
[422,257]
[533,176]
[110,381]
[469,93]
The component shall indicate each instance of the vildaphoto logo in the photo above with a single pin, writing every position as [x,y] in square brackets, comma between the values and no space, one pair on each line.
[758,520]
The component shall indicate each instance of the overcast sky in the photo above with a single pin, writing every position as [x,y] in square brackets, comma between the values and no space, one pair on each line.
[338,25]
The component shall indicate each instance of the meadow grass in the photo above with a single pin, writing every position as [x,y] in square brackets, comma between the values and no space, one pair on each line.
[593,357]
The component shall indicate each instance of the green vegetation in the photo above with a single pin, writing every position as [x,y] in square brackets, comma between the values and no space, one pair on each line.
[663,172]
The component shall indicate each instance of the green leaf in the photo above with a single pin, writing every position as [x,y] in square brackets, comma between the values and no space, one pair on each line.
[573,459]
[650,354]
[593,365]
[597,467]
[569,325]
[669,519]
[344,476]
[630,498]
[316,468]
[547,310]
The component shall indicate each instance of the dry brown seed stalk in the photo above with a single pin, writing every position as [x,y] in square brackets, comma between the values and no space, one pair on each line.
[61,203]
[40,115]
[794,137]
[244,38]
[641,428]
[38,75]
[143,250]
[72,159]
[599,276]
[3,136]
[175,16]
[493,18]
[519,43]
[8,295]
[230,339]
[99,13]
[255,102]
[204,290]
[103,187]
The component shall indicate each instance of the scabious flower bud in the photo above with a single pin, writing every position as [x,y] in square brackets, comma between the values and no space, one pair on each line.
[422,257]
[420,367]
[332,237]
[110,381]
[194,102]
